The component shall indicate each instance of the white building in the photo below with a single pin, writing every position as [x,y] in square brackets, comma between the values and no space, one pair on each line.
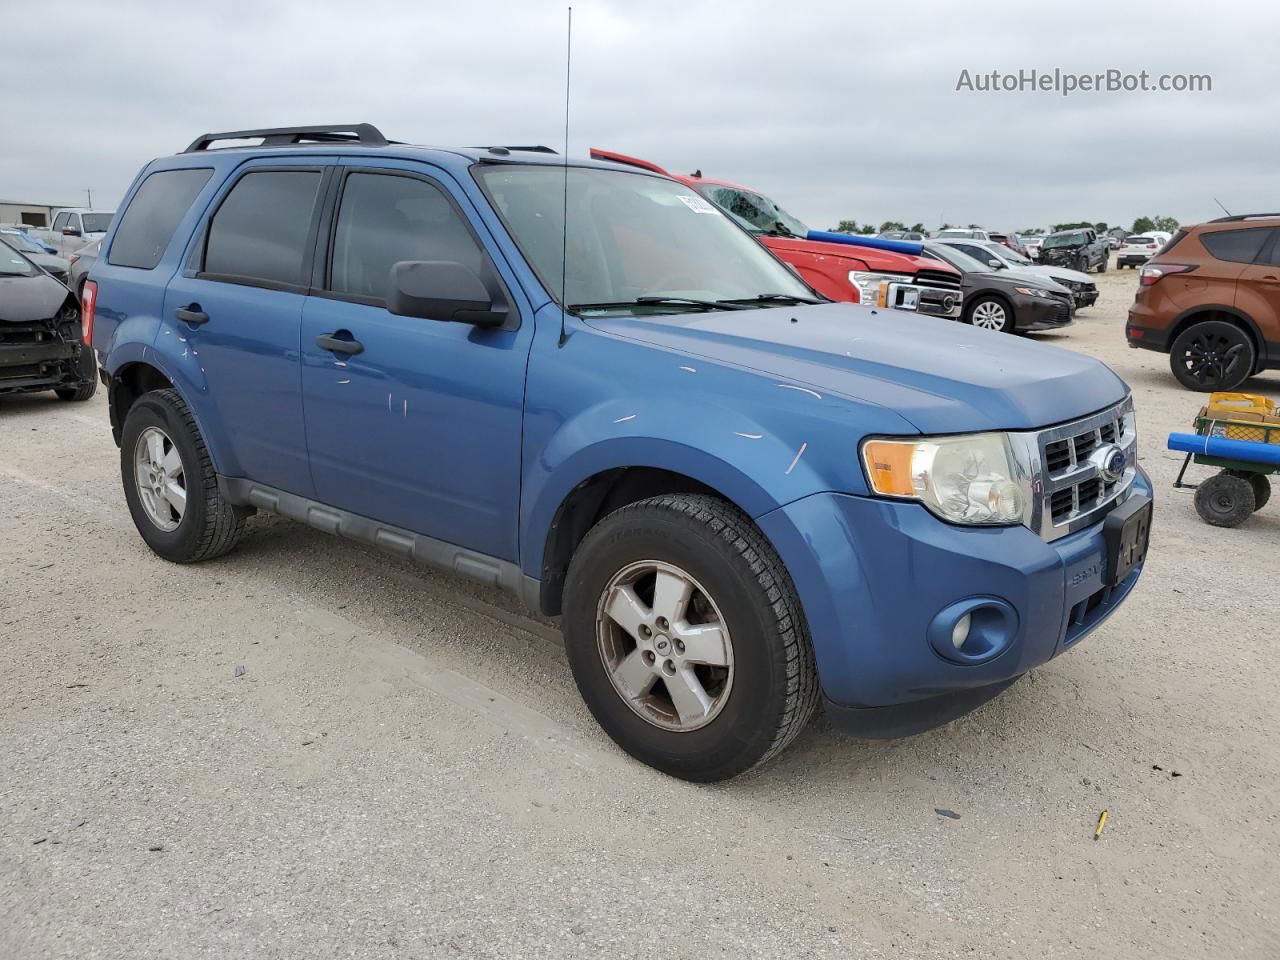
[31,214]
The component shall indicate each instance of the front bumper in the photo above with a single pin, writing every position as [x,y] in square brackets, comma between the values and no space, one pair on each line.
[36,357]
[1037,313]
[872,575]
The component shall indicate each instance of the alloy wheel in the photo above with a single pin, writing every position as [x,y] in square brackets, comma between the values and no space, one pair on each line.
[160,478]
[664,645]
[989,316]
[1210,357]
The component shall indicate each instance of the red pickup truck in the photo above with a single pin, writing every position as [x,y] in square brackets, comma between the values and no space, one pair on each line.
[885,273]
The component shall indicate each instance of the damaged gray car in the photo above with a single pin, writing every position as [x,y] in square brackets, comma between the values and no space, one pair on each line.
[40,335]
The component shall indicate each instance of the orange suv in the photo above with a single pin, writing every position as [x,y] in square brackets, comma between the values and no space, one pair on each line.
[1210,298]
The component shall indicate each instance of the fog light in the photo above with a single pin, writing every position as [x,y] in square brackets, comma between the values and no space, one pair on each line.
[973,631]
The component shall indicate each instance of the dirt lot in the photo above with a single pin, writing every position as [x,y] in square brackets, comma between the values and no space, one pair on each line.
[404,767]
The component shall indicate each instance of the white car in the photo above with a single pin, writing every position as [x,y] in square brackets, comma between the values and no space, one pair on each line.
[999,257]
[1137,250]
[1033,246]
[958,234]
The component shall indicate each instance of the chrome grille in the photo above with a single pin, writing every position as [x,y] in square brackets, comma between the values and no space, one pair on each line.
[1074,492]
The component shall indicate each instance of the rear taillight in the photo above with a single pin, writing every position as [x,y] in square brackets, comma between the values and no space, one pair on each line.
[88,302]
[71,260]
[1153,272]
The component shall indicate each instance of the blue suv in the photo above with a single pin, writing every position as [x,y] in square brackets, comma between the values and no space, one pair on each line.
[585,384]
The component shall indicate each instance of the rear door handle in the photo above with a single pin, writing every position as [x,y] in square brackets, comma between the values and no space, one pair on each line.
[1270,279]
[192,314]
[330,341]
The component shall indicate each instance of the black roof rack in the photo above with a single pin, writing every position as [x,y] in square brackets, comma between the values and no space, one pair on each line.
[1244,216]
[504,148]
[364,134]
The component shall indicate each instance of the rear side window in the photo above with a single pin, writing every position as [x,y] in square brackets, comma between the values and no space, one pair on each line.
[147,225]
[260,230]
[384,219]
[1238,246]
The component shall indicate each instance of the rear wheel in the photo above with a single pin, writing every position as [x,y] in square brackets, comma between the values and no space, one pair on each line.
[170,484]
[1261,486]
[991,313]
[1225,500]
[1212,355]
[686,637]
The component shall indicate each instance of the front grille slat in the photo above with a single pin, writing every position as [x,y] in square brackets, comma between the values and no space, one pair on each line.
[1074,490]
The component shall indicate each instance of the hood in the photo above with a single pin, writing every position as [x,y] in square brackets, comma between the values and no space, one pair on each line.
[49,262]
[1031,276]
[942,376]
[1060,273]
[875,258]
[30,299]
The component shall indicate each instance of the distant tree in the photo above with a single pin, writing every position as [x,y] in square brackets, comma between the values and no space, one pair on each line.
[917,228]
[1166,224]
[1100,226]
[975,226]
[892,225]
[1072,226]
[1032,232]
[852,226]
[1143,225]
[945,226]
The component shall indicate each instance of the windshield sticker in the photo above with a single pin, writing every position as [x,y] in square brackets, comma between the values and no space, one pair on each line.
[697,204]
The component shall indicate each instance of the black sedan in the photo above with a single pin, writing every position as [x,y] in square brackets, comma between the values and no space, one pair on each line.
[40,346]
[1005,301]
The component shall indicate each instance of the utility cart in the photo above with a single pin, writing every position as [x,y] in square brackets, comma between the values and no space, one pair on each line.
[1240,435]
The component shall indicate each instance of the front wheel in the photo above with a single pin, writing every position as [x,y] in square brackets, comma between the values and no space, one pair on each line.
[686,637]
[1212,355]
[991,313]
[1225,500]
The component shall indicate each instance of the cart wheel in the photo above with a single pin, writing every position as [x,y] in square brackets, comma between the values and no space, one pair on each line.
[1261,486]
[1225,500]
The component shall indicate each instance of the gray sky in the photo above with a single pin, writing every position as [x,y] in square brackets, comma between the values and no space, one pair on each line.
[834,109]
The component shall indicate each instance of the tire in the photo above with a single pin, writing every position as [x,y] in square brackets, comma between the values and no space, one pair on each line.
[206,525]
[1102,267]
[88,379]
[986,311]
[1212,355]
[1225,500]
[1261,487]
[759,683]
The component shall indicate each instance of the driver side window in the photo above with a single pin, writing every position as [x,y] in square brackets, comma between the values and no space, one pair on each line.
[383,219]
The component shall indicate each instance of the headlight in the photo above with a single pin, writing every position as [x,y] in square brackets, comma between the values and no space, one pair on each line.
[1033,292]
[972,479]
[871,286]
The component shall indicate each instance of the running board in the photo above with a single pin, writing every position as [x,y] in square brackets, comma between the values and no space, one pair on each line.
[425,550]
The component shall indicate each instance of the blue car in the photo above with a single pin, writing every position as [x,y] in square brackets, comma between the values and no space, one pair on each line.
[584,384]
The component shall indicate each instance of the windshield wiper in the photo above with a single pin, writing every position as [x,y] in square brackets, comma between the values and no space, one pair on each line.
[772,298]
[659,302]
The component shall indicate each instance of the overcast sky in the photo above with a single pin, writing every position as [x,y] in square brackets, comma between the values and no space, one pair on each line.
[835,110]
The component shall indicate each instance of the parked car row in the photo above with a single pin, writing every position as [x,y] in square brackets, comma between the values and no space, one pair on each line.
[611,392]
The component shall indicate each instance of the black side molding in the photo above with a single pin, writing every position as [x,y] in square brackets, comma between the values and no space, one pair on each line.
[405,543]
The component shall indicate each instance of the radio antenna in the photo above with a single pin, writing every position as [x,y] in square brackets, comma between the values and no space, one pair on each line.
[1224,209]
[564,224]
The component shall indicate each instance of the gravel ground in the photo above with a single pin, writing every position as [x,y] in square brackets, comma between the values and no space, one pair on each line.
[404,769]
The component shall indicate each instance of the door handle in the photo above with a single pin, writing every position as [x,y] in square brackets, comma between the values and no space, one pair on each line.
[192,314]
[330,341]
[1268,278]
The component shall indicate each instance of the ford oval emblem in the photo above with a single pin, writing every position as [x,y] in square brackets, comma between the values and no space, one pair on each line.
[1110,461]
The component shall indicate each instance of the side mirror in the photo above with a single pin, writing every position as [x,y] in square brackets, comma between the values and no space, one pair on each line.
[995,264]
[70,232]
[441,290]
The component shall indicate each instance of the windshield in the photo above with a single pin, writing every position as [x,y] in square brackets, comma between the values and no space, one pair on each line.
[957,258]
[757,213]
[630,236]
[1012,256]
[1063,240]
[14,264]
[97,222]
[19,242]
[1140,241]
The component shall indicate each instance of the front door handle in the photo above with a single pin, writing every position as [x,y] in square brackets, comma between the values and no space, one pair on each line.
[1270,279]
[192,314]
[330,341]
